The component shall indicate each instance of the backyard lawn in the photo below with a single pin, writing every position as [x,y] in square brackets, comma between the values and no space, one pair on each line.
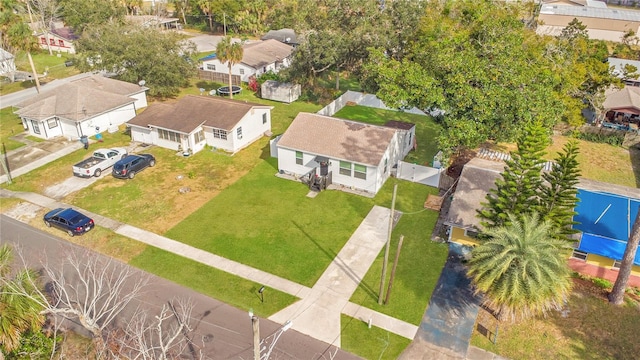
[52,64]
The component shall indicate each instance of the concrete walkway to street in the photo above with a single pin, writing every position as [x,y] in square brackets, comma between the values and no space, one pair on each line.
[317,313]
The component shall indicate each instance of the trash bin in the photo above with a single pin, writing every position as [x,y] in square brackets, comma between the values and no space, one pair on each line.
[99,137]
[85,140]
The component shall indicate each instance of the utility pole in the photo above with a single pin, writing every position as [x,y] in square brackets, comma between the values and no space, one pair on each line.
[393,270]
[255,323]
[386,249]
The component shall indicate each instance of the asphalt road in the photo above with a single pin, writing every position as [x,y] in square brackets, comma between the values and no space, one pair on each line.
[220,331]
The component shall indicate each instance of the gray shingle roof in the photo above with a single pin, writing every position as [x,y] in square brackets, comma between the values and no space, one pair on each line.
[72,101]
[627,97]
[191,111]
[337,138]
[262,53]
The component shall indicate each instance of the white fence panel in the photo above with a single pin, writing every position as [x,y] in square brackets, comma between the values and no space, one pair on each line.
[419,174]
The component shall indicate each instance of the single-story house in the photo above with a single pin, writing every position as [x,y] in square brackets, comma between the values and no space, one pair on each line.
[59,40]
[603,23]
[352,154]
[621,109]
[605,213]
[406,135]
[618,69]
[154,21]
[7,64]
[286,36]
[82,107]
[258,58]
[195,121]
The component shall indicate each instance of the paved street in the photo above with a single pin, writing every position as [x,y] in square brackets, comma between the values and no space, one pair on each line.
[220,331]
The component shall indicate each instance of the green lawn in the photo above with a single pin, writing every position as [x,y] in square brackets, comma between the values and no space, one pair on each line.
[209,281]
[426,128]
[373,343]
[10,125]
[269,223]
[52,64]
[420,262]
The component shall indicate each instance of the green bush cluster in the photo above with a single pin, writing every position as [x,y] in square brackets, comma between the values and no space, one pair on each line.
[614,139]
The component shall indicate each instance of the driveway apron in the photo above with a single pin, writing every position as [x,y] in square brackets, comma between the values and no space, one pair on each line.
[447,324]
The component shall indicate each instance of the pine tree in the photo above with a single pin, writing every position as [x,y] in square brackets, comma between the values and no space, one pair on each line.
[517,191]
[558,194]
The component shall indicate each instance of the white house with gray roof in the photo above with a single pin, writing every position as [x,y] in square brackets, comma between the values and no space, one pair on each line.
[352,154]
[258,57]
[83,107]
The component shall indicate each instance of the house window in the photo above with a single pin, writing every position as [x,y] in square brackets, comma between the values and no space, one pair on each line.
[211,67]
[220,134]
[617,264]
[470,233]
[168,135]
[386,161]
[43,41]
[299,157]
[239,132]
[264,118]
[35,127]
[61,43]
[51,123]
[52,42]
[577,254]
[360,171]
[241,71]
[345,168]
[199,136]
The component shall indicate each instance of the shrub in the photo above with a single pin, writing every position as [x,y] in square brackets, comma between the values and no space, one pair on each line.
[611,138]
[602,283]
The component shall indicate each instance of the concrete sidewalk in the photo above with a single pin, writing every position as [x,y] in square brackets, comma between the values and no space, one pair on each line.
[318,312]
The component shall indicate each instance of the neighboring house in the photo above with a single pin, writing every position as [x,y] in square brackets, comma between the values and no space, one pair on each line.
[621,109]
[82,107]
[286,36]
[258,58]
[605,212]
[153,21]
[59,40]
[352,154]
[194,121]
[618,70]
[602,23]
[7,64]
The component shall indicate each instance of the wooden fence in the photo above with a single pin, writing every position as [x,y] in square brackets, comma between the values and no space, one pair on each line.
[218,77]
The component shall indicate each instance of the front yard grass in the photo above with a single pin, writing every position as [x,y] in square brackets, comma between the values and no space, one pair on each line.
[269,223]
[51,64]
[10,125]
[373,343]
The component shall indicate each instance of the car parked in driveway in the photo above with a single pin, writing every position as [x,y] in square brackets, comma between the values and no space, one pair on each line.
[128,167]
[69,220]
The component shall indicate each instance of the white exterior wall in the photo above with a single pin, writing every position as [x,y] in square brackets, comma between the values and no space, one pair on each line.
[142,134]
[66,46]
[373,183]
[235,69]
[252,128]
[226,145]
[101,123]
[191,143]
[141,100]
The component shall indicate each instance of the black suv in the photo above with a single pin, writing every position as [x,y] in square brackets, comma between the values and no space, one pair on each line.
[130,165]
[69,220]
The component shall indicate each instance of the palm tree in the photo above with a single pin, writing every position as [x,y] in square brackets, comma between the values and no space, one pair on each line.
[231,53]
[521,268]
[18,314]
[20,37]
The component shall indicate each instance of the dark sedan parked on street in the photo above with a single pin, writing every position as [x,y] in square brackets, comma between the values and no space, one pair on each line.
[132,164]
[69,220]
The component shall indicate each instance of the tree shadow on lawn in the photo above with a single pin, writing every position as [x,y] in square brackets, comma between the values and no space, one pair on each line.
[331,255]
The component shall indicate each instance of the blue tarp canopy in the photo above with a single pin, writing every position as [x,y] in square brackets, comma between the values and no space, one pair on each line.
[605,214]
[599,245]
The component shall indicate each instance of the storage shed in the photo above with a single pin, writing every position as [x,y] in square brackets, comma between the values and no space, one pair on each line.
[283,92]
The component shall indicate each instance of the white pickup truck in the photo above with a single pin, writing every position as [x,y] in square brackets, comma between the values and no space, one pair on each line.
[100,160]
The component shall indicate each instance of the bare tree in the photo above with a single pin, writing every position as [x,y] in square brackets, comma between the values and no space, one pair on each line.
[46,12]
[90,289]
[164,336]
